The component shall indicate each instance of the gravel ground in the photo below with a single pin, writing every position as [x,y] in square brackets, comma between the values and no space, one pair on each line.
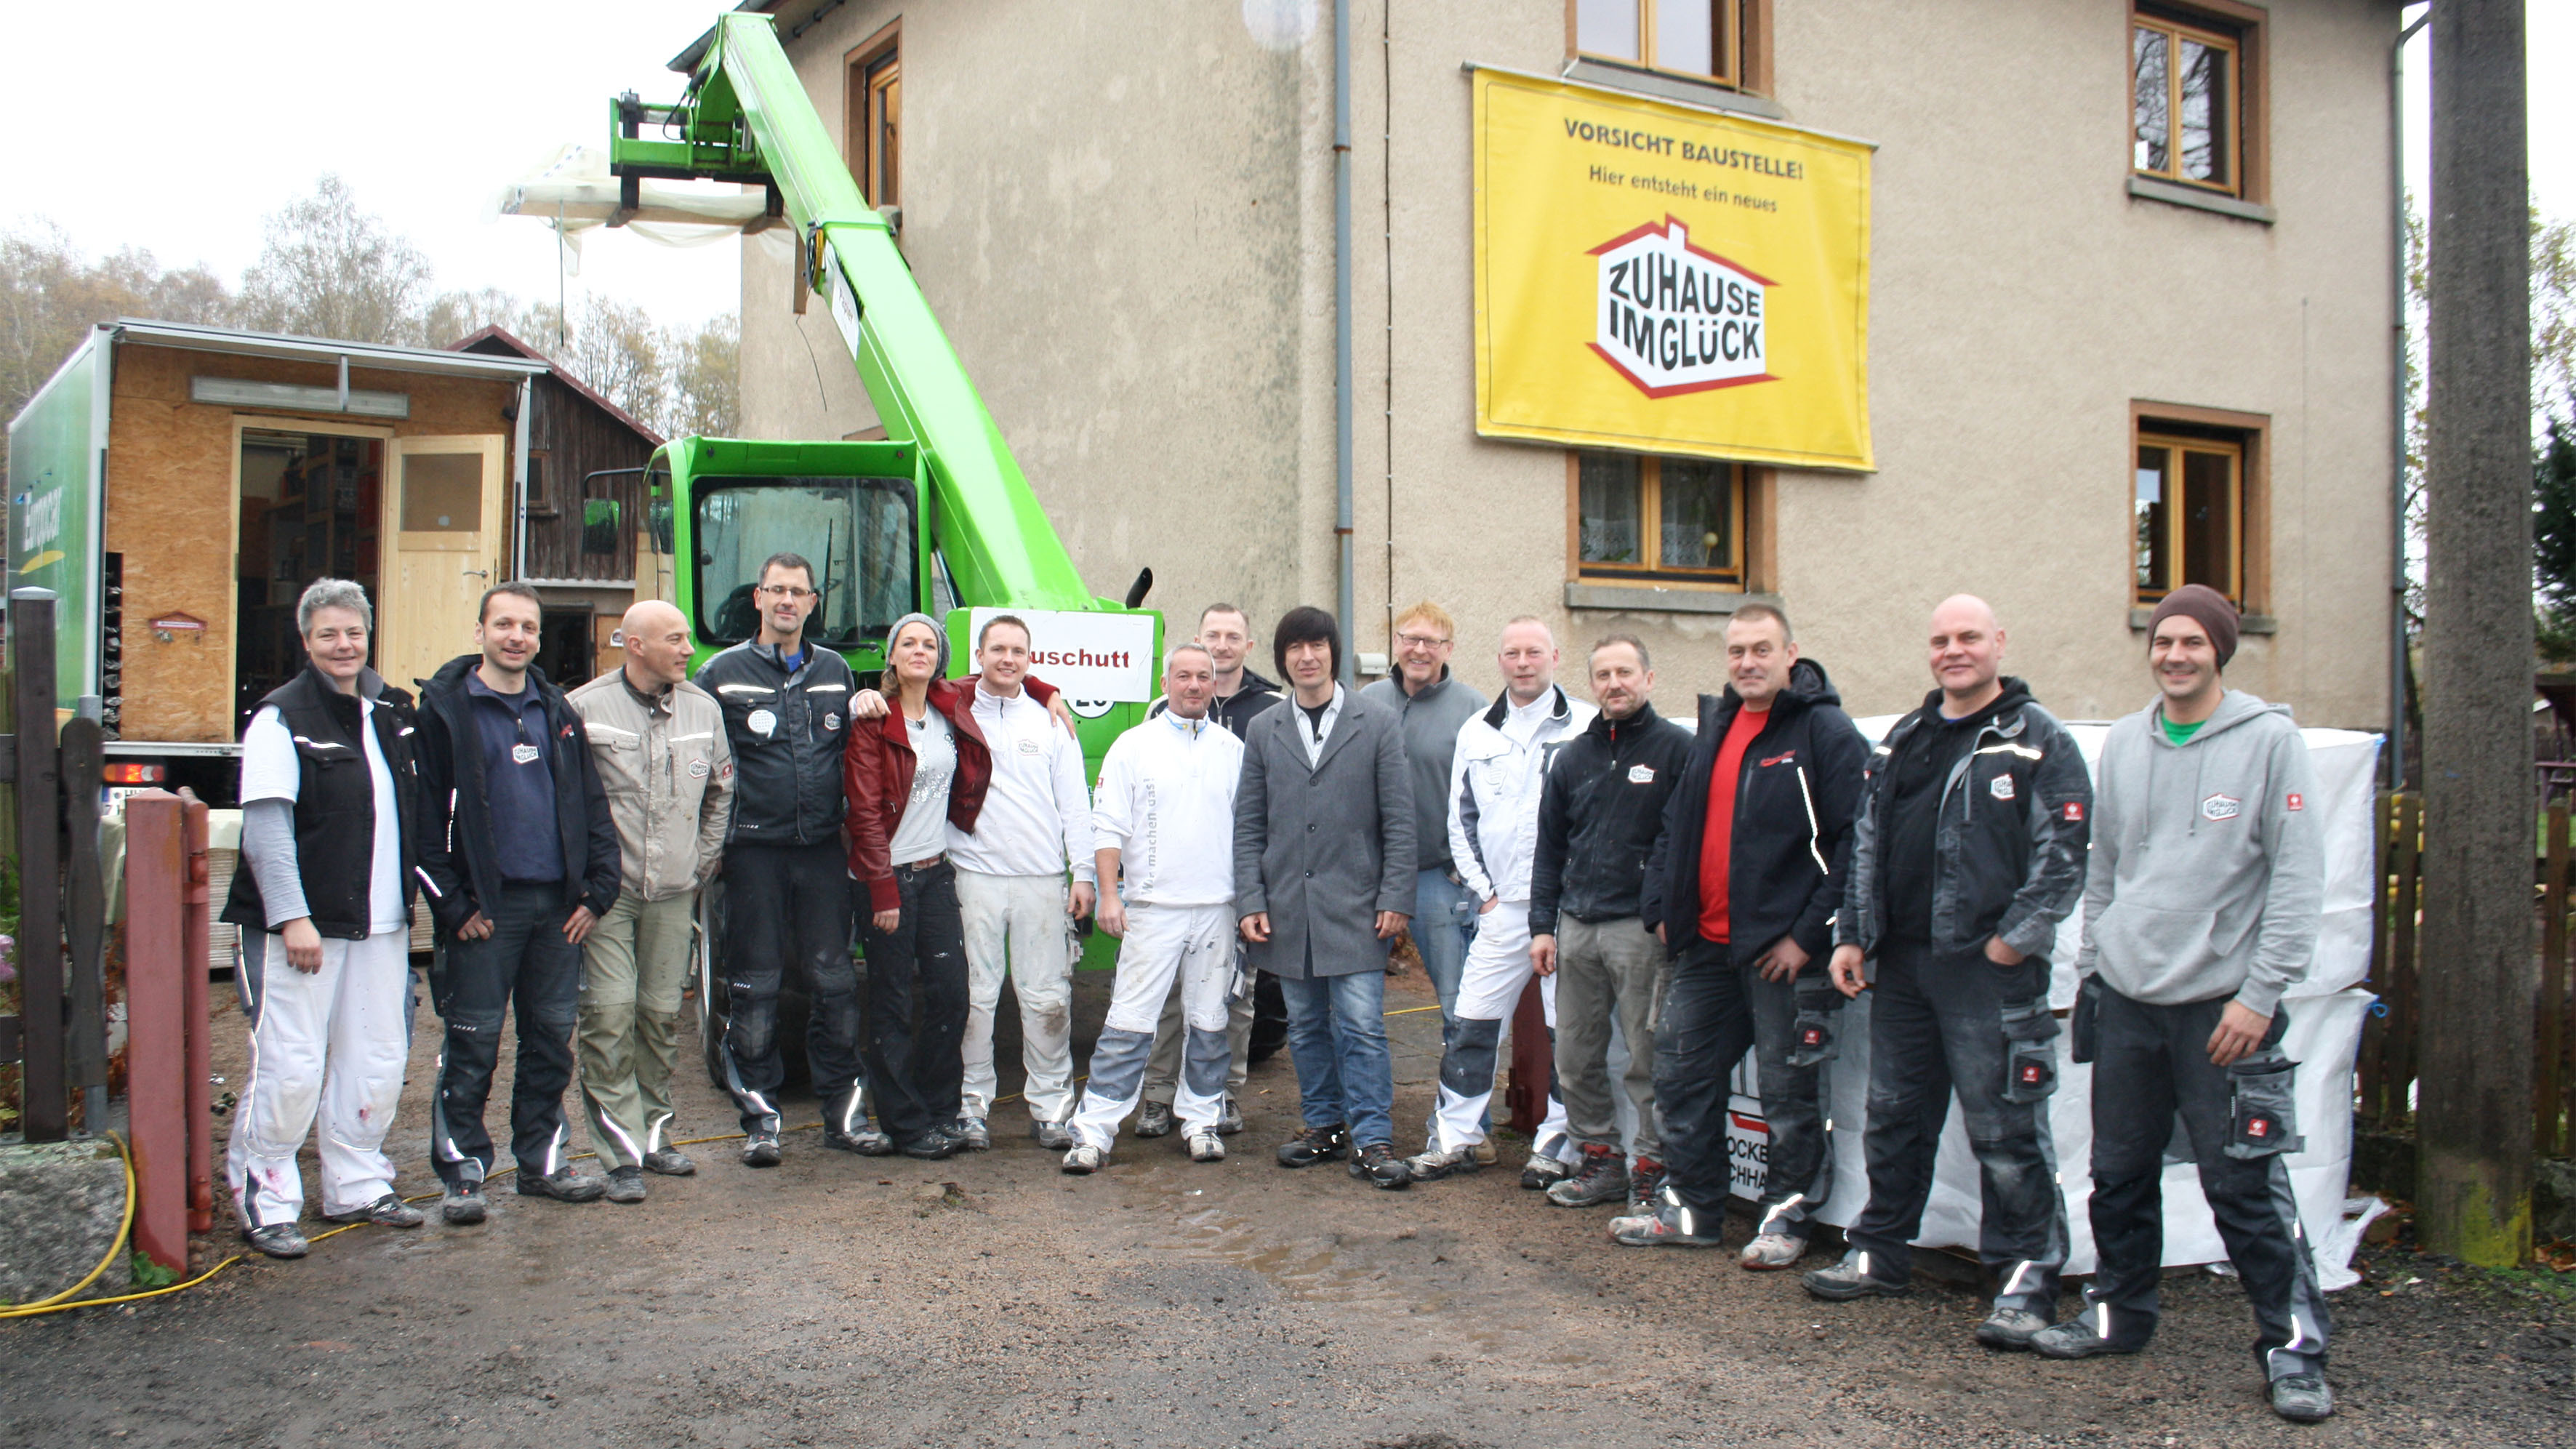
[988,1300]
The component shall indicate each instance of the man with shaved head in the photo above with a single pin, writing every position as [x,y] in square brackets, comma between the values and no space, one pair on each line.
[661,748]
[1968,851]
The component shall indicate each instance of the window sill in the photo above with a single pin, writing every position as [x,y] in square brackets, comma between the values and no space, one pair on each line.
[1592,594]
[1673,88]
[2177,194]
[2140,618]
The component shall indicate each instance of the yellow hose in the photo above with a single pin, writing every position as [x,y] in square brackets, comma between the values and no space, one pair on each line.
[58,1303]
[44,1305]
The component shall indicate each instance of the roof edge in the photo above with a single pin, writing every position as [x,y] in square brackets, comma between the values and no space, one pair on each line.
[381,357]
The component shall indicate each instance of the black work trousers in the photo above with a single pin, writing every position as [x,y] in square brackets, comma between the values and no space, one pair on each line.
[2150,1065]
[526,965]
[1712,1012]
[915,1073]
[788,904]
[1939,1023]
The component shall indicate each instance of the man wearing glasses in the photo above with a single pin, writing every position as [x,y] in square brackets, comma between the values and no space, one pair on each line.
[1432,704]
[787,715]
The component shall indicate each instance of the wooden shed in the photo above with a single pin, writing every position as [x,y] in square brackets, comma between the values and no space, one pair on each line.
[581,511]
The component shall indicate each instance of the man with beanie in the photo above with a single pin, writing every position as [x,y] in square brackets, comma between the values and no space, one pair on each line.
[2207,882]
[1744,884]
[1968,851]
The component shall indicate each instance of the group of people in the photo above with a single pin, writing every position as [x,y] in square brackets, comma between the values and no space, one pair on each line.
[1689,894]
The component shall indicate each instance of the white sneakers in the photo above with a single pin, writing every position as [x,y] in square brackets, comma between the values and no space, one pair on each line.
[1771,1251]
[1206,1146]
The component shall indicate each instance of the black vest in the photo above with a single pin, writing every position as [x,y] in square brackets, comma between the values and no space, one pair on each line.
[335,804]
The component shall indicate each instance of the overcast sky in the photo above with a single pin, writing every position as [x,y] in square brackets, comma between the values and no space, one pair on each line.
[178,126]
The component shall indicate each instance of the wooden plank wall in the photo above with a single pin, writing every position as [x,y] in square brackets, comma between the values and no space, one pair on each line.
[576,438]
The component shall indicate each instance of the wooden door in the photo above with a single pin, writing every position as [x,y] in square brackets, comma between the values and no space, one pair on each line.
[443,517]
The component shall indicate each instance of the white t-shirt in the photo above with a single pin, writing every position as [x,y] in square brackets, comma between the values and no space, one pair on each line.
[270,771]
[923,830]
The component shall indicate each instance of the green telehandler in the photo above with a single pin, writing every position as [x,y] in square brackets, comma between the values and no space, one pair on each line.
[937,517]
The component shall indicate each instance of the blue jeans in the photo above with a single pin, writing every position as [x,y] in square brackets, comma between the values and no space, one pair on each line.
[1444,916]
[1337,1038]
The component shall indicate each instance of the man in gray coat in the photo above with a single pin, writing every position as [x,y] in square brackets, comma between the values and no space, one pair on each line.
[1323,880]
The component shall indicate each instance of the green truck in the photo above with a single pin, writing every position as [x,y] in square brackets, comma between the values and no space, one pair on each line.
[937,517]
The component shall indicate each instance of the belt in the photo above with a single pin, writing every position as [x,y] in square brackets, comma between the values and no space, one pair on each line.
[926,864]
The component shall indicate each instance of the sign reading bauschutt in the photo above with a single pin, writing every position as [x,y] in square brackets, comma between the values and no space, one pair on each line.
[1660,279]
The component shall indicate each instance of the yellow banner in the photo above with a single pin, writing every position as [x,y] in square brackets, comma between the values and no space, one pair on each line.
[1659,279]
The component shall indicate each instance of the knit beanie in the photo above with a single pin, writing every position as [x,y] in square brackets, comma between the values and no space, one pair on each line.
[2206,607]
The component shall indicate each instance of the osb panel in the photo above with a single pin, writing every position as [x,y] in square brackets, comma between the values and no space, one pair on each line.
[172,512]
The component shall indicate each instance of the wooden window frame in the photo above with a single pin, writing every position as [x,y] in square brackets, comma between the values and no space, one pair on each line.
[1753,569]
[1745,31]
[858,109]
[2249,434]
[2240,27]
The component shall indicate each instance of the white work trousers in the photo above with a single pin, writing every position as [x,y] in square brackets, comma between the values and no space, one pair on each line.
[328,1046]
[1195,944]
[1489,987]
[1017,924]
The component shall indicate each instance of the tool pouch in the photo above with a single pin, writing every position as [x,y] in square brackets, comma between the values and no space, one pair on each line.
[2030,1051]
[1815,1039]
[2262,1106]
[2086,1025]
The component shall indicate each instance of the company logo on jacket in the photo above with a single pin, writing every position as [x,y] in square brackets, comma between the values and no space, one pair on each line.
[2223,807]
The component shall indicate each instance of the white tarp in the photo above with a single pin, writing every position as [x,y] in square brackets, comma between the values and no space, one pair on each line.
[2326,1011]
[573,193]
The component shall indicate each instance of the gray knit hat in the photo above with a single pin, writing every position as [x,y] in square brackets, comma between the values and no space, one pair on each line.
[935,630]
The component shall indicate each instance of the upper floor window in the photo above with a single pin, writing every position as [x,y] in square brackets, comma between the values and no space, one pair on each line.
[1701,39]
[1659,518]
[876,120]
[2187,99]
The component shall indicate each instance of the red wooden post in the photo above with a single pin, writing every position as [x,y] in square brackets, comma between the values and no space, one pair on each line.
[195,921]
[158,1035]
[1533,1063]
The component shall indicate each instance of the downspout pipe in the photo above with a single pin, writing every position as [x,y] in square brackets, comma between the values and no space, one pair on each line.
[519,479]
[2397,664]
[1342,517]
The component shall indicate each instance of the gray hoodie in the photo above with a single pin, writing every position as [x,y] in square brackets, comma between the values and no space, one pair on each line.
[2208,873]
[1431,720]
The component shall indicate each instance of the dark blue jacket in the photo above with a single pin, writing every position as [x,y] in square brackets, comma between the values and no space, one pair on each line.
[459,863]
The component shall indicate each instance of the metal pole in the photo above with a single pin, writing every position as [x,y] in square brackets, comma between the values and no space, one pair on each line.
[42,1074]
[2473,1122]
[1342,523]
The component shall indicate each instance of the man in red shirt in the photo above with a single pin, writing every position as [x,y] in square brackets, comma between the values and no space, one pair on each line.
[1742,888]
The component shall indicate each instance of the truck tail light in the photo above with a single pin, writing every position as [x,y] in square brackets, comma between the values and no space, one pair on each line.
[121,773]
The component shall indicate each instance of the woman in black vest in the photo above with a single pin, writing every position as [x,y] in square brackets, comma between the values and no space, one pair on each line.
[329,792]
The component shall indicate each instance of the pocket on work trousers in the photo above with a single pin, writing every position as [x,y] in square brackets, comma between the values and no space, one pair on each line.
[2030,1051]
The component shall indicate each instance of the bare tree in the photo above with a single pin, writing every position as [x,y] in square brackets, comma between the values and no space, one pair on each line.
[328,269]
[451,317]
[620,353]
[706,380]
[51,292]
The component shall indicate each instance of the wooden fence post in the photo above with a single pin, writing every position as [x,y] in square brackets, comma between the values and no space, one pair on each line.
[194,923]
[85,916]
